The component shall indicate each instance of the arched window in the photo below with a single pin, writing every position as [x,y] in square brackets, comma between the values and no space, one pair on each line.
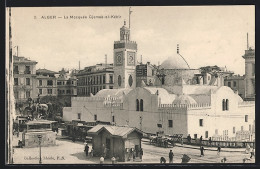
[141,105]
[223,105]
[227,104]
[130,80]
[137,105]
[119,80]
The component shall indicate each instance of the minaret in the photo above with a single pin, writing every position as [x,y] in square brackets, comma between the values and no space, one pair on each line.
[249,57]
[125,52]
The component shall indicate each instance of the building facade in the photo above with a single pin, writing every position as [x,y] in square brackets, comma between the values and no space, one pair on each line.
[95,78]
[67,83]
[207,111]
[46,82]
[146,74]
[24,79]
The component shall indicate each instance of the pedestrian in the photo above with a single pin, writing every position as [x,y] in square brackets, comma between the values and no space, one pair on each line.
[105,152]
[141,154]
[20,144]
[165,143]
[200,139]
[113,159]
[219,148]
[181,140]
[252,152]
[189,139]
[210,141]
[134,154]
[247,149]
[101,160]
[171,156]
[162,160]
[92,152]
[201,151]
[86,149]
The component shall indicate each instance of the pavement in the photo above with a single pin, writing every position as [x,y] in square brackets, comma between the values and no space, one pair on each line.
[67,152]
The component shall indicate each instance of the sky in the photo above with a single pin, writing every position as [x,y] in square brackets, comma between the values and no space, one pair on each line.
[207,35]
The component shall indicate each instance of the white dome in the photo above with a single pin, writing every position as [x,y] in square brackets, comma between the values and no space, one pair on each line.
[175,62]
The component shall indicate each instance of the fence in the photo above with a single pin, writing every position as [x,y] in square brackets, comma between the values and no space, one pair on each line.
[227,144]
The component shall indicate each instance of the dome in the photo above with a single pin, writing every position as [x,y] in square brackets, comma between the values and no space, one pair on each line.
[184,99]
[175,62]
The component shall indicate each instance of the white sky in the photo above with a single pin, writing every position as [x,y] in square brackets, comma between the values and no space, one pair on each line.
[207,35]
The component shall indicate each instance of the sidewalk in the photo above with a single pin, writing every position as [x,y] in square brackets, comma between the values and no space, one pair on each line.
[205,147]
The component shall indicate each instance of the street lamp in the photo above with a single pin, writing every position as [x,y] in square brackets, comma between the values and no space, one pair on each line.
[40,139]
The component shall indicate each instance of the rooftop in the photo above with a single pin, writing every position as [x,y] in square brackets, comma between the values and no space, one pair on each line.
[45,71]
[120,131]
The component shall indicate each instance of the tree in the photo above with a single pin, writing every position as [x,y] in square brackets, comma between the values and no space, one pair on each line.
[55,106]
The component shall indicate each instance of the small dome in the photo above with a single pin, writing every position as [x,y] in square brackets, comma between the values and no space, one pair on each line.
[184,99]
[175,62]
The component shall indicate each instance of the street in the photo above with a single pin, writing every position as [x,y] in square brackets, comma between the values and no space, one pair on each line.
[67,152]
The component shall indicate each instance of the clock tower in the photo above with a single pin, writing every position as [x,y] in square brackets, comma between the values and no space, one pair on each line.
[125,60]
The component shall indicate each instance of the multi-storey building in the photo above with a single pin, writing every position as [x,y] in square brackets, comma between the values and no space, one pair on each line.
[46,82]
[67,83]
[146,74]
[24,71]
[95,78]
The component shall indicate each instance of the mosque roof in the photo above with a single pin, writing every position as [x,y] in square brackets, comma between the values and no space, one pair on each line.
[166,98]
[113,92]
[175,62]
[198,89]
[184,99]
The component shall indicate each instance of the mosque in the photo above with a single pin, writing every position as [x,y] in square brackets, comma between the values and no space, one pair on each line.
[175,102]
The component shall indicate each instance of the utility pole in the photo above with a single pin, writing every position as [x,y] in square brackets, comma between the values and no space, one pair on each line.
[112,111]
[40,149]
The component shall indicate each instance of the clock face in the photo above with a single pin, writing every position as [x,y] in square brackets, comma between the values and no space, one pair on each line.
[119,58]
[131,58]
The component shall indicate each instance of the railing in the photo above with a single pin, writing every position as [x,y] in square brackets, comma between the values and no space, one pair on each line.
[88,98]
[109,104]
[227,144]
[189,106]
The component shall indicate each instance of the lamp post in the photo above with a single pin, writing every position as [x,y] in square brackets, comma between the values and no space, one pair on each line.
[40,139]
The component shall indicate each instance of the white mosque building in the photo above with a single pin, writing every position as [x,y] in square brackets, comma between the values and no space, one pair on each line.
[175,106]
